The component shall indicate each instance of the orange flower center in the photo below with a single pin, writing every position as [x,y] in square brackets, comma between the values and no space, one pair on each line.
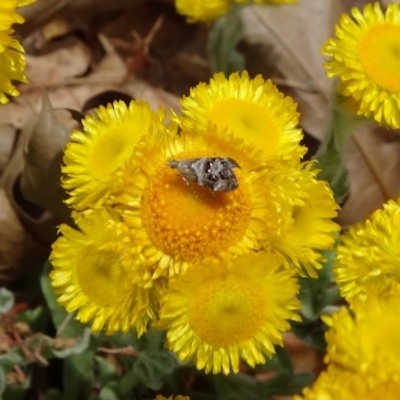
[186,220]
[379,52]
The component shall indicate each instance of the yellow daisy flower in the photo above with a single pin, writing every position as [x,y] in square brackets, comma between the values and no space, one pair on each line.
[12,59]
[95,273]
[267,1]
[336,384]
[369,255]
[95,159]
[310,229]
[202,10]
[252,109]
[217,314]
[176,221]
[366,57]
[366,339]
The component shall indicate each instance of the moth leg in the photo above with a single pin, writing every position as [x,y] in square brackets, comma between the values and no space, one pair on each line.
[187,182]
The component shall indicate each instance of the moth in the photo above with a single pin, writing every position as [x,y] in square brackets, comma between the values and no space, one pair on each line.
[214,173]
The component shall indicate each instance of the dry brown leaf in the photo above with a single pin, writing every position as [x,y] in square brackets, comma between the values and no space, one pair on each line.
[40,181]
[20,253]
[58,67]
[373,162]
[285,43]
[39,13]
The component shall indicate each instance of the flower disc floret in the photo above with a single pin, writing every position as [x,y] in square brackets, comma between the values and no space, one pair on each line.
[95,158]
[366,57]
[252,109]
[368,260]
[176,221]
[217,314]
[365,339]
[95,273]
[335,384]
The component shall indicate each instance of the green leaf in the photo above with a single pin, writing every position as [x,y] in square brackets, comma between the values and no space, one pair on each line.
[36,318]
[108,394]
[285,385]
[330,154]
[235,386]
[71,327]
[6,300]
[78,376]
[316,294]
[106,371]
[222,40]
[152,364]
[53,394]
[3,381]
[280,362]
[11,358]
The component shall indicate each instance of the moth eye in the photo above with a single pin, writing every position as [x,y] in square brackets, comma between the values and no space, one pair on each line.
[226,173]
[212,178]
[208,165]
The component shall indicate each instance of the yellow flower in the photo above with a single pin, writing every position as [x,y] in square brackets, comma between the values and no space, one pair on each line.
[368,258]
[209,10]
[252,109]
[176,222]
[178,397]
[267,1]
[202,10]
[336,384]
[310,229]
[95,273]
[217,314]
[366,57]
[366,339]
[95,159]
[12,59]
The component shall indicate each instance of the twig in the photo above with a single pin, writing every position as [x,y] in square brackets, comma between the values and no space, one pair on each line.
[64,324]
[126,351]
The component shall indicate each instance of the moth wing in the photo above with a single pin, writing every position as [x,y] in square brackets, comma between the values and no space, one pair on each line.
[185,167]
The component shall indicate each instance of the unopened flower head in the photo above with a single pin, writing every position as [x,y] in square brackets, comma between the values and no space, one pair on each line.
[252,109]
[218,314]
[209,10]
[368,260]
[95,158]
[365,339]
[12,58]
[96,274]
[366,57]
[202,10]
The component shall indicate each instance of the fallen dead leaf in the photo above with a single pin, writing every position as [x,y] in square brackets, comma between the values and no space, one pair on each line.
[373,162]
[285,44]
